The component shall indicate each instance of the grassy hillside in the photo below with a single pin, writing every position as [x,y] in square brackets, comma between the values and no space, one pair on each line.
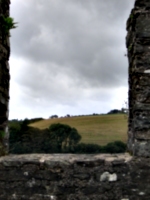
[99,129]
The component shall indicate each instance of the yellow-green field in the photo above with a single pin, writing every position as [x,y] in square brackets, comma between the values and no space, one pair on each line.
[99,129]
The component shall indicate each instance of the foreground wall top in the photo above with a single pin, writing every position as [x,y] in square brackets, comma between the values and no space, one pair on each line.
[74,177]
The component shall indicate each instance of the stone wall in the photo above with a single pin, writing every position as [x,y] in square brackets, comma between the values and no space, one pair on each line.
[89,177]
[74,177]
[4,76]
[138,46]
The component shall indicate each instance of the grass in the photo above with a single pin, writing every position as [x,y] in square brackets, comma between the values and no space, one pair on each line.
[100,129]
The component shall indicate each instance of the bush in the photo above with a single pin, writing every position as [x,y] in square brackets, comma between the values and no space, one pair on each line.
[88,148]
[21,148]
[114,147]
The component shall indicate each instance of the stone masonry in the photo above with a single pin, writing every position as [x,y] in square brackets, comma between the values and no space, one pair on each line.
[98,176]
[4,77]
[74,177]
[138,46]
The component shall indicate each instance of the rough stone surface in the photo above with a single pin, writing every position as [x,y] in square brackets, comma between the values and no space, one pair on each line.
[4,77]
[138,46]
[97,176]
[74,177]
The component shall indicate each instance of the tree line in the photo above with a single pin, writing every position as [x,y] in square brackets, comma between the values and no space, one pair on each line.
[58,138]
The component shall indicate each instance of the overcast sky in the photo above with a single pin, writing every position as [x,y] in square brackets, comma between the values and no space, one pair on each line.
[67,57]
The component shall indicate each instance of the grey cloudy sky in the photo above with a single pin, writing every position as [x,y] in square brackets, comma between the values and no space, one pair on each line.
[67,57]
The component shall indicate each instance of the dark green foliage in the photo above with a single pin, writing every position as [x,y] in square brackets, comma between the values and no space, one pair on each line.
[115,111]
[88,148]
[2,134]
[21,148]
[64,136]
[17,129]
[24,125]
[115,147]
[7,24]
[15,133]
[53,116]
[59,138]
[29,121]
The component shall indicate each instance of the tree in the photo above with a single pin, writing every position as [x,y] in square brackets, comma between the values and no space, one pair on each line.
[14,130]
[114,111]
[54,116]
[64,136]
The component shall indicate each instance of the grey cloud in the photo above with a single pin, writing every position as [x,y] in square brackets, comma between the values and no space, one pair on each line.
[70,48]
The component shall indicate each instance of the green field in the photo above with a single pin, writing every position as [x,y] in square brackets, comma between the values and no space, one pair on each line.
[99,129]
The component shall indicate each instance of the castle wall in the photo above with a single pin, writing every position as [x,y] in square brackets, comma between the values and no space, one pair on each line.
[4,77]
[74,177]
[138,46]
[89,177]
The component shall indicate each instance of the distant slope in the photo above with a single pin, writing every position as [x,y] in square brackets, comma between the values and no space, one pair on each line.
[99,129]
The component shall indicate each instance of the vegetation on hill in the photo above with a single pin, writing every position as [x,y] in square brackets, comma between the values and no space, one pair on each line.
[63,138]
[95,129]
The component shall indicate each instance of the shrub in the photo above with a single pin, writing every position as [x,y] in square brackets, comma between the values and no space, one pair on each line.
[114,147]
[88,148]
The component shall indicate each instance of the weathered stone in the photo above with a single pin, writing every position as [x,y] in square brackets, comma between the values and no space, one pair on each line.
[143,25]
[138,45]
[141,123]
[142,135]
[124,178]
[142,148]
[82,176]
[4,77]
[106,176]
[100,176]
[142,4]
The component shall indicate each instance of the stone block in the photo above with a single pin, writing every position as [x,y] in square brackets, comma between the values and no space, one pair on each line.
[141,148]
